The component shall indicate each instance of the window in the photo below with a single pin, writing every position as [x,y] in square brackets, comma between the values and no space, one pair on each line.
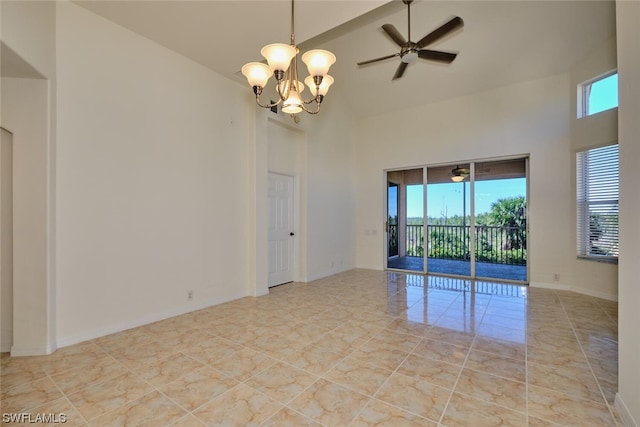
[597,203]
[598,95]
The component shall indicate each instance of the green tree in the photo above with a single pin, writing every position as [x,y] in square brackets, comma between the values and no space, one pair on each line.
[510,212]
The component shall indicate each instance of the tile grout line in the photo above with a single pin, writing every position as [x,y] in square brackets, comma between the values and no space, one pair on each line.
[372,397]
[573,330]
[64,395]
[464,363]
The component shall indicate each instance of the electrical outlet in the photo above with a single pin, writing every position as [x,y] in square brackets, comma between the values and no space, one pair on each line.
[556,277]
[190,295]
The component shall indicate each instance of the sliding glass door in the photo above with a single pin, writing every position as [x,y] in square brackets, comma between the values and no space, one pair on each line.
[448,220]
[475,223]
[500,206]
[393,200]
[405,220]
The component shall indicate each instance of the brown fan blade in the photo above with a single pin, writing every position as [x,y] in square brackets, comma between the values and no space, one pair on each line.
[440,32]
[436,55]
[400,70]
[378,59]
[394,34]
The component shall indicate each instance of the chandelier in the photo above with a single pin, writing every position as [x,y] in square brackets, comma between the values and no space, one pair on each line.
[282,60]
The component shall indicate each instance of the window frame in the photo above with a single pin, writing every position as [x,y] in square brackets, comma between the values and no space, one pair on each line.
[583,207]
[584,90]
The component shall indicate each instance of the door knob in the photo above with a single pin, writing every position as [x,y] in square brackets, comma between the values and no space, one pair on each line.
[291,234]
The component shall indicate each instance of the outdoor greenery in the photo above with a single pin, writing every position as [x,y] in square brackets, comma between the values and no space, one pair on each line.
[501,235]
[603,234]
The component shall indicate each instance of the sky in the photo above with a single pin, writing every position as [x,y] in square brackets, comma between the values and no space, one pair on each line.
[446,199]
[604,94]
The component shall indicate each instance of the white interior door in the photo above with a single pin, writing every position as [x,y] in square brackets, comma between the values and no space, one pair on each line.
[281,233]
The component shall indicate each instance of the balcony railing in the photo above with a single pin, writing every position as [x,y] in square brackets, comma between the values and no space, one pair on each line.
[493,244]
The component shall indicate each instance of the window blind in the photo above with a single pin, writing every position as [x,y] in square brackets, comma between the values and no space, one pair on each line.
[597,203]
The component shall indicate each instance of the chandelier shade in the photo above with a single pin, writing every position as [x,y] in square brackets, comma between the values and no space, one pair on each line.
[278,55]
[257,73]
[318,61]
[282,60]
[327,81]
[293,103]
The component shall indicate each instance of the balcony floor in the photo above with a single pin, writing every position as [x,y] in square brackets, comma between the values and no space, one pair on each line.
[462,268]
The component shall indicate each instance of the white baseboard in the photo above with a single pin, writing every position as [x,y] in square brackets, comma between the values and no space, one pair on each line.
[5,347]
[17,351]
[576,289]
[141,321]
[556,286]
[624,413]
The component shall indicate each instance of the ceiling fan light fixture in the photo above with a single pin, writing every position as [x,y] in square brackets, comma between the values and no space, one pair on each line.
[409,57]
[459,174]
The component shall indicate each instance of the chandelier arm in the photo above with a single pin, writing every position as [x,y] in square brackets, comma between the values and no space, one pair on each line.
[270,105]
[317,110]
[283,96]
[316,99]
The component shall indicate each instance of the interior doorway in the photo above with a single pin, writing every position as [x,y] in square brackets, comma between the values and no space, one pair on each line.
[6,240]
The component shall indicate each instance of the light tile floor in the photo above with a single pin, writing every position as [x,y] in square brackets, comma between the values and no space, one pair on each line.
[357,349]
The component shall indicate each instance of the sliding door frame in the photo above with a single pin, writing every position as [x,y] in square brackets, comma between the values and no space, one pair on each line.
[472,223]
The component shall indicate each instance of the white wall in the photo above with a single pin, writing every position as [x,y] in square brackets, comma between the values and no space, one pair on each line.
[331,194]
[531,117]
[153,180]
[29,111]
[628,34]
[28,27]
[25,114]
[327,210]
[590,277]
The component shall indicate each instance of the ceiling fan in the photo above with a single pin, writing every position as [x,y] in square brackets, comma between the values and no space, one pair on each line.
[410,51]
[459,174]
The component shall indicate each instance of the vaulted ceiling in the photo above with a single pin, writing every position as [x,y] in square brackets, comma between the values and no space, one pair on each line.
[502,42]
